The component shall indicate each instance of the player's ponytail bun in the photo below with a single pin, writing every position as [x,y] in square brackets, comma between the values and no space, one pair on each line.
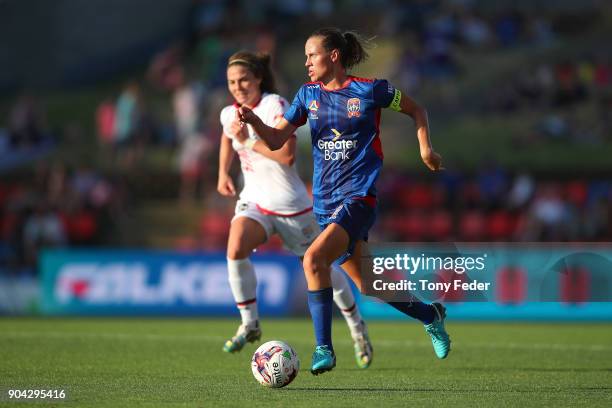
[259,64]
[354,52]
[350,44]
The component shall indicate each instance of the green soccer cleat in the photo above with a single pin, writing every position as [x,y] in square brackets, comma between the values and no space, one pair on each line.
[439,338]
[244,335]
[363,347]
[323,359]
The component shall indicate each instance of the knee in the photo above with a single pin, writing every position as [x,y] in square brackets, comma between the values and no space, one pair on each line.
[315,263]
[237,252]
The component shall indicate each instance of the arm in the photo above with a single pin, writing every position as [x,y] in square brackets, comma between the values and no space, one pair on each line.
[409,107]
[225,185]
[285,155]
[273,137]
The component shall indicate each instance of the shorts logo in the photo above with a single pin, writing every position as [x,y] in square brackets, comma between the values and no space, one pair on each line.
[314,109]
[353,107]
[336,212]
[243,206]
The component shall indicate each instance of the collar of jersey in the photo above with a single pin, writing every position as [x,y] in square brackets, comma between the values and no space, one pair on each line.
[349,79]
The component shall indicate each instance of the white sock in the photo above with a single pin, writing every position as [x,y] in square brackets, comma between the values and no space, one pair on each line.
[243,282]
[343,297]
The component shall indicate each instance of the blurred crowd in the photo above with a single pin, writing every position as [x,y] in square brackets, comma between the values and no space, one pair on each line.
[26,135]
[58,207]
[127,126]
[549,86]
[573,97]
[189,75]
[494,205]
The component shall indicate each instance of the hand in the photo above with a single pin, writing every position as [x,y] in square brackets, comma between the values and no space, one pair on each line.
[238,130]
[246,115]
[225,186]
[432,160]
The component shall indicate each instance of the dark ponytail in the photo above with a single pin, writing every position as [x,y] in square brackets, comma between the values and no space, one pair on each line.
[259,64]
[350,45]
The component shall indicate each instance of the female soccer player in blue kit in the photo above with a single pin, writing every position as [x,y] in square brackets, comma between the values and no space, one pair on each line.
[343,112]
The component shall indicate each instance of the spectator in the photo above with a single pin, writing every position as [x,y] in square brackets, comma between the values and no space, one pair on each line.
[192,142]
[474,31]
[127,117]
[26,122]
[42,229]
[105,122]
[550,216]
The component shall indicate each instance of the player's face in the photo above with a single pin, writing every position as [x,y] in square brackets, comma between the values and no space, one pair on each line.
[243,85]
[318,61]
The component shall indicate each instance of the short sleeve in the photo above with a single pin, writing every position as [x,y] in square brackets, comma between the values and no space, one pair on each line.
[277,109]
[226,117]
[383,93]
[297,114]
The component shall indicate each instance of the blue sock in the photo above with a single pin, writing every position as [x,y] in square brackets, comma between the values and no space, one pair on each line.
[418,310]
[320,304]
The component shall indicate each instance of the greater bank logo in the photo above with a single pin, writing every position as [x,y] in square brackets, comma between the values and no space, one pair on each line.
[336,148]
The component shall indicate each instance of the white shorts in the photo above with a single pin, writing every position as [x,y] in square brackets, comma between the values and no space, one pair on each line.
[297,232]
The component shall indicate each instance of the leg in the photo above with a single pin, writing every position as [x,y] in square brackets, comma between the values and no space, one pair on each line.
[327,247]
[344,299]
[300,232]
[352,266]
[432,316]
[245,235]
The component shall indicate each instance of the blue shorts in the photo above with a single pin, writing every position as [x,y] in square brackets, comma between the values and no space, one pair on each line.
[356,217]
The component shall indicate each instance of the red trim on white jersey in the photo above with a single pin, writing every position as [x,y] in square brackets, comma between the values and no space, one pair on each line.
[268,212]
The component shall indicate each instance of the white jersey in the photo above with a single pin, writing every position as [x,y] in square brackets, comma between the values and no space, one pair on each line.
[275,188]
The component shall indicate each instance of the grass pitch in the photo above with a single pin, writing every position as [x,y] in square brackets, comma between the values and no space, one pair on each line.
[179,363]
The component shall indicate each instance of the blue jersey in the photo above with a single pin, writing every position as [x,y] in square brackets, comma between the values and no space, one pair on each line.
[346,148]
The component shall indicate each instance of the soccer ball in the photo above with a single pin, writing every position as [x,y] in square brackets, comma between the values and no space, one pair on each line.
[275,364]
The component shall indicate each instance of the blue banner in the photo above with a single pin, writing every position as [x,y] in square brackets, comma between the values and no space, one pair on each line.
[124,282]
[492,281]
[118,282]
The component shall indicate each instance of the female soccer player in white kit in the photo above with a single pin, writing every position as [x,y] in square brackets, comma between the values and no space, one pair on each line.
[273,200]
